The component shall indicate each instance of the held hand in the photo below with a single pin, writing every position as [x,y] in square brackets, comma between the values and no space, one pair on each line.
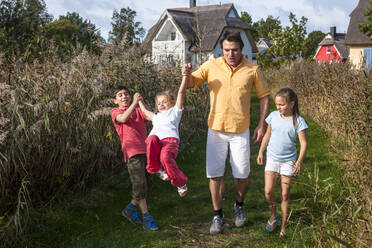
[186,69]
[297,168]
[136,98]
[258,133]
[260,159]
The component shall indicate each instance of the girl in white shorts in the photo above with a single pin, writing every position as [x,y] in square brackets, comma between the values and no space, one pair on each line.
[284,125]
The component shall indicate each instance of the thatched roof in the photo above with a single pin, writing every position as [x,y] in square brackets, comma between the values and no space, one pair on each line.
[354,36]
[212,20]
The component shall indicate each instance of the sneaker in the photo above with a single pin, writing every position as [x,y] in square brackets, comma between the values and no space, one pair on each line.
[131,215]
[149,223]
[182,191]
[162,174]
[240,217]
[217,224]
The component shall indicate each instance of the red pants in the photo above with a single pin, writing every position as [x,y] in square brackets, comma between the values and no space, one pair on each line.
[167,150]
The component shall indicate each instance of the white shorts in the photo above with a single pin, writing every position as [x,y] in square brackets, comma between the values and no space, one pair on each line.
[283,168]
[217,147]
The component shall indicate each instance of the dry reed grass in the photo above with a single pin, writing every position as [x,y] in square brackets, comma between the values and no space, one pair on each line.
[338,98]
[55,129]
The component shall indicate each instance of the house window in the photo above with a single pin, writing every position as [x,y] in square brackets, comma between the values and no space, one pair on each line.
[367,53]
[328,49]
[170,58]
[173,36]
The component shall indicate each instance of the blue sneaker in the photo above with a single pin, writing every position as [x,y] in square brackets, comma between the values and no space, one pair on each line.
[131,214]
[149,223]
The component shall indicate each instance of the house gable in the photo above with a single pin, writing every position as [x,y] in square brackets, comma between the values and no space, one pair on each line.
[168,31]
[232,13]
[332,47]
[199,28]
[263,44]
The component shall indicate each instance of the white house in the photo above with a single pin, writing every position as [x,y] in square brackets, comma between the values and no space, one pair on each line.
[192,35]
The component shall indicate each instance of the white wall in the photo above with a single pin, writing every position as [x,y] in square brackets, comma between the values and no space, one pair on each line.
[165,49]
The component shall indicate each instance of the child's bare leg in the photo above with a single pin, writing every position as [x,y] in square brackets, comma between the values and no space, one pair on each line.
[270,181]
[285,188]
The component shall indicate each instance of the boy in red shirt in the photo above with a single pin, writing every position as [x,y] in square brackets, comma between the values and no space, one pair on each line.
[129,123]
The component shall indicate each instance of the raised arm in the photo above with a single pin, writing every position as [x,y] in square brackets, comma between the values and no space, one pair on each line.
[186,71]
[148,114]
[263,146]
[181,93]
[122,118]
[303,150]
[259,132]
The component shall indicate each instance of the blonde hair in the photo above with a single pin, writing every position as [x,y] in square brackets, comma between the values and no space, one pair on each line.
[167,94]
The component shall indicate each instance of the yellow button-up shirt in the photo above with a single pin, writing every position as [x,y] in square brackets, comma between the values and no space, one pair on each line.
[230,92]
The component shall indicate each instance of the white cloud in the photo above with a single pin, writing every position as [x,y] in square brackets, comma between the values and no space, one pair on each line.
[321,14]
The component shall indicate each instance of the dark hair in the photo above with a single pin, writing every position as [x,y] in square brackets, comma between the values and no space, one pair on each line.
[120,88]
[232,36]
[290,96]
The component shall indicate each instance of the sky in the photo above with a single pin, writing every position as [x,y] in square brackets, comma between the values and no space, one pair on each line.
[321,14]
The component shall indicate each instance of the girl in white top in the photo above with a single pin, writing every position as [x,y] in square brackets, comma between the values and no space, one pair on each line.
[163,140]
[284,125]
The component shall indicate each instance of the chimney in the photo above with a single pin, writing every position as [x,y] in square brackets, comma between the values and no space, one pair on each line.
[192,3]
[333,31]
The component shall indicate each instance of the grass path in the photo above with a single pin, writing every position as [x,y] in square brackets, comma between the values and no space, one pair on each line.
[93,218]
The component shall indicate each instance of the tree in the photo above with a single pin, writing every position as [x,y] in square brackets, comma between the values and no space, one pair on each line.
[366,27]
[311,44]
[125,27]
[20,25]
[70,30]
[263,28]
[288,42]
[247,19]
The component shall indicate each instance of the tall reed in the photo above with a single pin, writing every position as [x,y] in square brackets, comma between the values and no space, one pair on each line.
[55,129]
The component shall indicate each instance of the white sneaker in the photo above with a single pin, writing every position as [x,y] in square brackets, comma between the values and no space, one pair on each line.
[162,174]
[182,191]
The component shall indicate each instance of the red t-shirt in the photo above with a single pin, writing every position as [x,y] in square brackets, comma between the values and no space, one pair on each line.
[132,133]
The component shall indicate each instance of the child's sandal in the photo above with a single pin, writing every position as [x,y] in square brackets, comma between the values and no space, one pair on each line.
[182,191]
[273,223]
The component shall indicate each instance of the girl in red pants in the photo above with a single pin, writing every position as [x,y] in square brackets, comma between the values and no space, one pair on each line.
[162,142]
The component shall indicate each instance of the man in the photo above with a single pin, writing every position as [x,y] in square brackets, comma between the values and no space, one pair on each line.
[230,79]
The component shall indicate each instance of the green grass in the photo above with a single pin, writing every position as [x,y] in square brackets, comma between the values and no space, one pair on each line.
[93,218]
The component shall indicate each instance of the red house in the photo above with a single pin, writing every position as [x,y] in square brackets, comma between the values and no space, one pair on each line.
[332,48]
